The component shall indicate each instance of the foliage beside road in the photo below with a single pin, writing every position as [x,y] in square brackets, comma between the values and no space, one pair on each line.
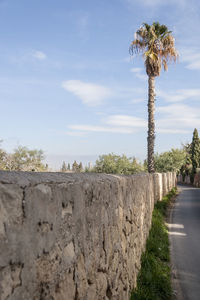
[170,161]
[154,282]
[22,159]
[116,164]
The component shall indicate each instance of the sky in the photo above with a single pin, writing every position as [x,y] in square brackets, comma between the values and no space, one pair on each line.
[69,87]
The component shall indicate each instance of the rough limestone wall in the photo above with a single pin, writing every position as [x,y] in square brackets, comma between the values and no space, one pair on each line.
[197,180]
[158,187]
[180,179]
[164,183]
[74,236]
[187,179]
[174,179]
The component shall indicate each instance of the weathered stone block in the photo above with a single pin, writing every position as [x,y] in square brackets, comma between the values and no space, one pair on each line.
[74,236]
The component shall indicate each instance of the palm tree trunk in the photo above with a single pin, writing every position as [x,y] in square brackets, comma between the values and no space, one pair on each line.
[151,124]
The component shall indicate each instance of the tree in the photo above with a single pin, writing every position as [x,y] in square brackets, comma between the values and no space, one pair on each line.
[186,168]
[24,159]
[157,45]
[116,164]
[80,167]
[170,161]
[3,158]
[75,167]
[64,167]
[68,167]
[195,151]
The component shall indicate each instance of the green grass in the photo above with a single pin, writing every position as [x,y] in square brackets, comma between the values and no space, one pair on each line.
[154,282]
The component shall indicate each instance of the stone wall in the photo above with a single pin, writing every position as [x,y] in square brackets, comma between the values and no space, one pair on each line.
[187,180]
[74,236]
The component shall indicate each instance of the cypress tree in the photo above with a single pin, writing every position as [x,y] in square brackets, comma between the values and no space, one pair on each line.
[75,167]
[195,151]
[80,167]
[64,167]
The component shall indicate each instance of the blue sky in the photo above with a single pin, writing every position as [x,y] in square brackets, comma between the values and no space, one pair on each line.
[69,87]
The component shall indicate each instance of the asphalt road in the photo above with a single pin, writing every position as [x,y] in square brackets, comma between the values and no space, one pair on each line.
[184,232]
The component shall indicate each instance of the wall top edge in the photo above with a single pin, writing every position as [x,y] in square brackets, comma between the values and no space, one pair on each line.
[27,178]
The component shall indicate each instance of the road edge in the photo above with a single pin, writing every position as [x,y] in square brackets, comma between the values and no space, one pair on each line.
[177,292]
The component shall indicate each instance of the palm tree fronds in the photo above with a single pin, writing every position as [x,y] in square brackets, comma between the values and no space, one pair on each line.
[157,45]
[136,46]
[147,26]
[164,62]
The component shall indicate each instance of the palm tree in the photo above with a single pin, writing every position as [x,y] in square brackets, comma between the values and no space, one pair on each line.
[157,45]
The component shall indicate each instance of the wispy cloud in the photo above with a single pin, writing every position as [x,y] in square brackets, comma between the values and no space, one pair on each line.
[91,128]
[136,70]
[26,56]
[139,73]
[126,121]
[191,56]
[39,55]
[138,100]
[123,124]
[90,94]
[178,110]
[124,92]
[175,118]
[127,59]
[179,95]
[172,131]
[178,117]
[76,133]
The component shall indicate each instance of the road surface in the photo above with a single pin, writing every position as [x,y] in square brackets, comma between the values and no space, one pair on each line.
[184,232]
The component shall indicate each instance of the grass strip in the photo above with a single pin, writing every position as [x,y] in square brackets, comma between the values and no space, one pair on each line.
[154,282]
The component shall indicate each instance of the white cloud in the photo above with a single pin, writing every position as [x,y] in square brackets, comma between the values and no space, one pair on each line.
[114,124]
[100,113]
[126,121]
[127,93]
[177,110]
[138,100]
[178,123]
[91,128]
[75,133]
[141,76]
[39,55]
[175,118]
[127,59]
[139,73]
[194,65]
[172,131]
[89,93]
[178,117]
[179,95]
[136,70]
[191,56]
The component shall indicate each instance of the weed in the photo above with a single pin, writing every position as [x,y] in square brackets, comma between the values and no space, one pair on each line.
[154,281]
